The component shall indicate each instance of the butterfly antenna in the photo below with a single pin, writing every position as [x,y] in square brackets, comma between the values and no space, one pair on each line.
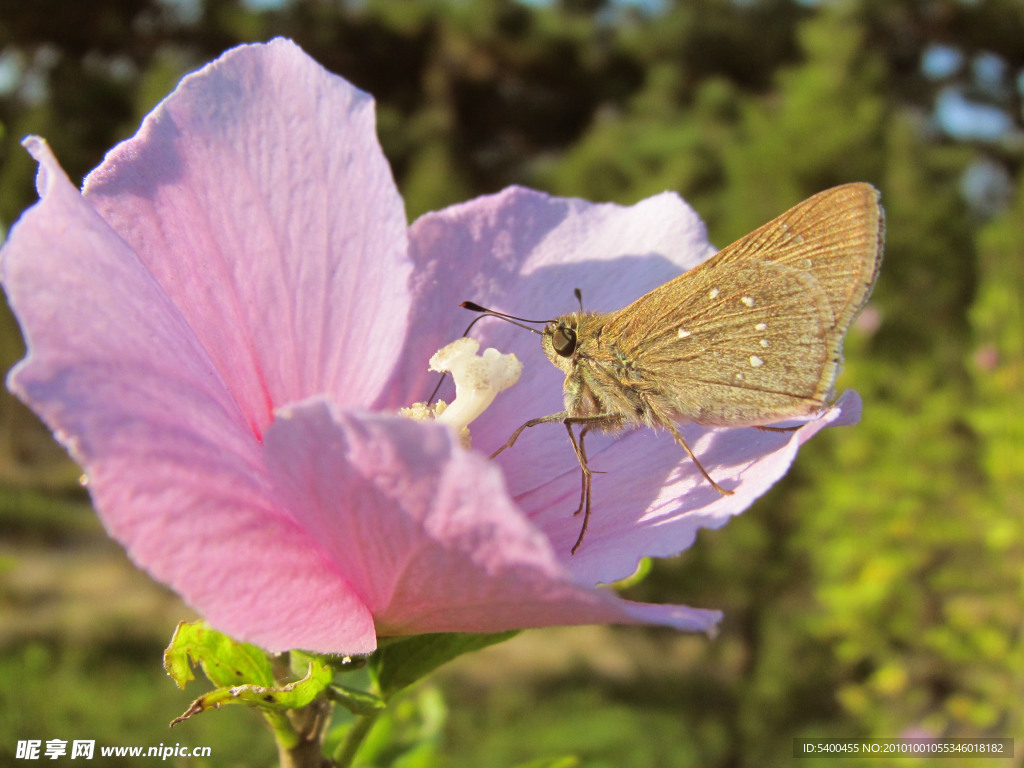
[484,312]
[472,306]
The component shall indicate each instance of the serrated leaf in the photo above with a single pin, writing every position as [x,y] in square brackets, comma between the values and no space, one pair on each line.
[403,661]
[225,662]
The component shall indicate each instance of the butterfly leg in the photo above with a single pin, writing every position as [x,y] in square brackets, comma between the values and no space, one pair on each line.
[584,506]
[531,423]
[679,439]
[602,420]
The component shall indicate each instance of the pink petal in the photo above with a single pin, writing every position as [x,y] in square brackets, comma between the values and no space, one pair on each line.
[425,532]
[259,198]
[660,518]
[174,469]
[524,252]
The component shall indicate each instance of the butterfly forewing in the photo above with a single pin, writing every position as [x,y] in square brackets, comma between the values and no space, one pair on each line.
[729,344]
[836,235]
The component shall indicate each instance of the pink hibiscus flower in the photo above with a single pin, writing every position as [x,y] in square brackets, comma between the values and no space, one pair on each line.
[220,328]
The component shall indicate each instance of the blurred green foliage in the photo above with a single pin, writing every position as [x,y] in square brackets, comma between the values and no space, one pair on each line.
[877,591]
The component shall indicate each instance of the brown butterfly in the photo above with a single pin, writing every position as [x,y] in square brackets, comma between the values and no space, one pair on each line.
[750,337]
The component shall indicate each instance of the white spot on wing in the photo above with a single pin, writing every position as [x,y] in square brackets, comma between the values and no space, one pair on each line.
[764,343]
[761,327]
[756,361]
[748,301]
[713,293]
[683,333]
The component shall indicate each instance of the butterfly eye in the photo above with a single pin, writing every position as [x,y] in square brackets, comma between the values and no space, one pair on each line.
[564,341]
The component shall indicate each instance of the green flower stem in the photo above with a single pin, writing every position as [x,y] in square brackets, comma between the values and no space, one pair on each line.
[301,744]
[346,752]
[284,733]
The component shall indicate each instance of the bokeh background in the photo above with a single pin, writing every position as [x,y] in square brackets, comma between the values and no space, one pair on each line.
[876,592]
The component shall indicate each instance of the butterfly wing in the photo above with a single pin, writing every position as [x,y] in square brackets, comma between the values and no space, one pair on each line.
[836,236]
[727,344]
[751,336]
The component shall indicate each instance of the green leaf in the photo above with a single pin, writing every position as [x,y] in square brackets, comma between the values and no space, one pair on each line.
[643,568]
[403,661]
[225,662]
[355,701]
[273,698]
